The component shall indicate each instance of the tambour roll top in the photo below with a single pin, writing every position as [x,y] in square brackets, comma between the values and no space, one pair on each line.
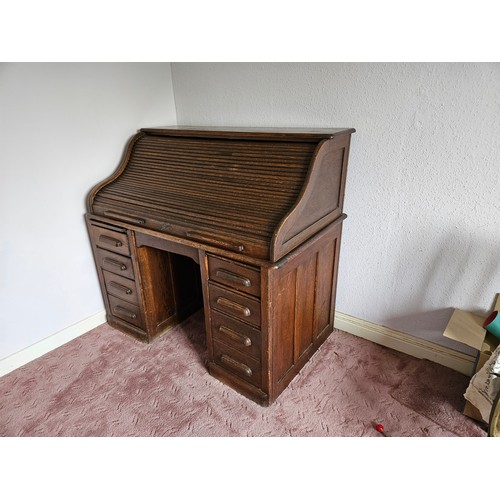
[255,192]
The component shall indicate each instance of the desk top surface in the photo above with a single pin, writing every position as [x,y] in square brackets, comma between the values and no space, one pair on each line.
[262,133]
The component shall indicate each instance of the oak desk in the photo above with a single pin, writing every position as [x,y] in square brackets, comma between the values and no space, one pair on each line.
[245,223]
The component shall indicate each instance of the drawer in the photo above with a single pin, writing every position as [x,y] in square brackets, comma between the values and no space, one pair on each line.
[234,275]
[236,334]
[246,368]
[120,287]
[125,310]
[235,304]
[110,240]
[118,264]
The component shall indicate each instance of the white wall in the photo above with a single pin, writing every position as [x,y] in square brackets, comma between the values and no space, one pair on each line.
[423,199]
[63,128]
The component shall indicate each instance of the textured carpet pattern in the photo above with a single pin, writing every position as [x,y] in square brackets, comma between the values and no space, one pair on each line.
[107,384]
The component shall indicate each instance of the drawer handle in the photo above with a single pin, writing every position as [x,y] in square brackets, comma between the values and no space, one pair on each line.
[234,278]
[122,288]
[238,247]
[123,217]
[238,337]
[234,306]
[226,360]
[125,312]
[110,241]
[116,263]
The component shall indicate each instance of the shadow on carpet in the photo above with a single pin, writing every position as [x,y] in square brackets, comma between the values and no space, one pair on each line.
[426,391]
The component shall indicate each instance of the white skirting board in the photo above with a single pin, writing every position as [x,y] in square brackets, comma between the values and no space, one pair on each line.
[60,338]
[403,342]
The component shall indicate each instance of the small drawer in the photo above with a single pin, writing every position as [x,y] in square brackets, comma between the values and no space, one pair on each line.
[118,264]
[120,287]
[236,363]
[235,304]
[234,275]
[125,311]
[110,240]
[236,334]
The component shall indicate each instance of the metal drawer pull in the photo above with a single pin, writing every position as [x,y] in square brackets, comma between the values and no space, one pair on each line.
[226,360]
[238,247]
[110,241]
[122,288]
[123,217]
[126,312]
[234,306]
[234,278]
[116,263]
[238,337]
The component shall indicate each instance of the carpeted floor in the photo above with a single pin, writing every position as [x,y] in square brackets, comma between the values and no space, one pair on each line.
[107,384]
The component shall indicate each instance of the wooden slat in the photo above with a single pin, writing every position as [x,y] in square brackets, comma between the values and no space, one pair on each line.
[99,209]
[205,208]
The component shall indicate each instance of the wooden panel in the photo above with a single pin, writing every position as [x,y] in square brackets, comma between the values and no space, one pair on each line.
[305,306]
[171,287]
[283,318]
[321,200]
[156,284]
[235,275]
[325,277]
[302,296]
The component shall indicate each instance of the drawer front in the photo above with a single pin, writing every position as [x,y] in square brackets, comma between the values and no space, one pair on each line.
[118,264]
[120,287]
[236,334]
[233,275]
[110,240]
[125,310]
[246,368]
[234,304]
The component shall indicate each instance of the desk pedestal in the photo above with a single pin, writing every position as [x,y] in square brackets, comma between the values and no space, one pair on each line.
[263,320]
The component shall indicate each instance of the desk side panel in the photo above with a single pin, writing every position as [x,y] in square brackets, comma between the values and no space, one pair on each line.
[321,200]
[302,305]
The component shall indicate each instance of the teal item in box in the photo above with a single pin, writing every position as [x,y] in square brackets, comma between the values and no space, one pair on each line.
[492,324]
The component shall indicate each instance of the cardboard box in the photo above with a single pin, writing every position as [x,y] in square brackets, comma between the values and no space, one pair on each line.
[467,328]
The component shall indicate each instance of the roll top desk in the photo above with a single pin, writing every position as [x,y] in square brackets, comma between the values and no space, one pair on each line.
[245,223]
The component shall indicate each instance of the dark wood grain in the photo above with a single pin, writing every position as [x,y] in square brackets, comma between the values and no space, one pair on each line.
[171,287]
[302,294]
[245,223]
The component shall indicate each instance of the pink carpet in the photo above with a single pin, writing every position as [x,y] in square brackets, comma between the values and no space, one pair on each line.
[107,384]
